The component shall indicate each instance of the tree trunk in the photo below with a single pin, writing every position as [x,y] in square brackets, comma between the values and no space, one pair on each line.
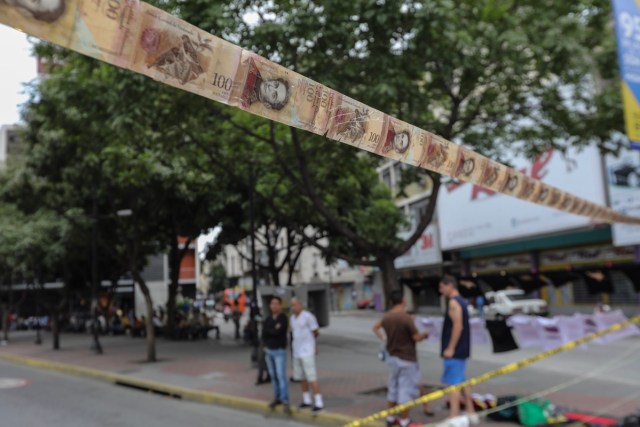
[55,329]
[389,276]
[151,336]
[5,322]
[174,273]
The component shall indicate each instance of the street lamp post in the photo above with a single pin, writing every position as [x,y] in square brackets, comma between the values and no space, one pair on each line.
[95,346]
[253,311]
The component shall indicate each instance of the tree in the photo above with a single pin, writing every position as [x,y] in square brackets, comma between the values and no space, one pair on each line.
[495,75]
[217,278]
[122,142]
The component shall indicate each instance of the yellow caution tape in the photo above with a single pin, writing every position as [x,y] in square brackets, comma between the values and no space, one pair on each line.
[506,369]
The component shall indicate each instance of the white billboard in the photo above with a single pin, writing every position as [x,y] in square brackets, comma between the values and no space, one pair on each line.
[425,251]
[470,215]
[624,192]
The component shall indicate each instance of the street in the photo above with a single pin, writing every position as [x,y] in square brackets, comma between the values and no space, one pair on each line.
[57,400]
[599,379]
[604,373]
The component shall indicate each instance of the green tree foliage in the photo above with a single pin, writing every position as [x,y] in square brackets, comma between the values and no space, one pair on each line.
[217,278]
[497,75]
[121,141]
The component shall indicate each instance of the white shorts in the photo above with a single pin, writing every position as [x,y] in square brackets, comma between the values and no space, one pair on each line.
[304,368]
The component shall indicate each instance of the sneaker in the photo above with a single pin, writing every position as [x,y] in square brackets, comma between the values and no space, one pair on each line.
[474,419]
[304,406]
[275,403]
[317,409]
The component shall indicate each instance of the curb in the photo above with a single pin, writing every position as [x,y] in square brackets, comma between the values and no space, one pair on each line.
[200,396]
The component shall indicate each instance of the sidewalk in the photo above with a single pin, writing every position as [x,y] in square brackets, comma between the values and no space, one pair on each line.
[351,378]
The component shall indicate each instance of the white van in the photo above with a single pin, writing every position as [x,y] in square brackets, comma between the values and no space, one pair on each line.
[502,304]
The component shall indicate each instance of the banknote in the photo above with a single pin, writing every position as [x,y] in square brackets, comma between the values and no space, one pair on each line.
[514,182]
[578,205]
[107,30]
[418,149]
[399,139]
[528,189]
[265,88]
[178,54]
[533,191]
[494,175]
[591,209]
[440,156]
[51,20]
[356,124]
[554,197]
[470,166]
[312,105]
[566,202]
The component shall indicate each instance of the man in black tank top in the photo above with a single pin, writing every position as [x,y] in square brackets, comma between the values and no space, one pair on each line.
[456,344]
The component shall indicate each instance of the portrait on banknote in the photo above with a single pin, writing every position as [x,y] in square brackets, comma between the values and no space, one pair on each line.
[264,84]
[470,166]
[513,183]
[397,140]
[265,88]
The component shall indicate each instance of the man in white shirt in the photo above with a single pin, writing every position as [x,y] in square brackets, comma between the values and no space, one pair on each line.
[304,328]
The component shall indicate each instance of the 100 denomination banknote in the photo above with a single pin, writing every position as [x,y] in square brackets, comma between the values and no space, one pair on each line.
[440,156]
[469,165]
[103,29]
[107,30]
[51,20]
[277,93]
[132,34]
[181,55]
[264,88]
[401,142]
[355,123]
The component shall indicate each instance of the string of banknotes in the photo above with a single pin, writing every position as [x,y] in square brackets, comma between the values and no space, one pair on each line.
[140,37]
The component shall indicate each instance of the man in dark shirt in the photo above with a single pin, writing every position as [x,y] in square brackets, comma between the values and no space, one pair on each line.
[456,344]
[274,338]
[401,336]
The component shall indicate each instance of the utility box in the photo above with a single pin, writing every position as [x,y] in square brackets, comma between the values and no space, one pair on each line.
[314,297]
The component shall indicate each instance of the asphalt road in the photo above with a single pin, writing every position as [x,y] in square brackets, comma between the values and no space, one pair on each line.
[49,399]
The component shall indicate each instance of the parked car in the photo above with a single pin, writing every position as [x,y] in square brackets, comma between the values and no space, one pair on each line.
[365,304]
[505,303]
[626,175]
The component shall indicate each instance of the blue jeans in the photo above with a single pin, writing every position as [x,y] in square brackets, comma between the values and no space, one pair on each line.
[277,366]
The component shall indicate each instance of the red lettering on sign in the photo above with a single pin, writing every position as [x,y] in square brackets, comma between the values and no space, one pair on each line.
[426,241]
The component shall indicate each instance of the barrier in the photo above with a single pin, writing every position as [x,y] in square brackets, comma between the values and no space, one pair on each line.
[506,369]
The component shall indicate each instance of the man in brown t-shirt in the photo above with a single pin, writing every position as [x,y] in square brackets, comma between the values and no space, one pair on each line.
[401,336]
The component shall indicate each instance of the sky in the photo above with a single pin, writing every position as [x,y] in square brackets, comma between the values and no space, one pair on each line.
[19,67]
